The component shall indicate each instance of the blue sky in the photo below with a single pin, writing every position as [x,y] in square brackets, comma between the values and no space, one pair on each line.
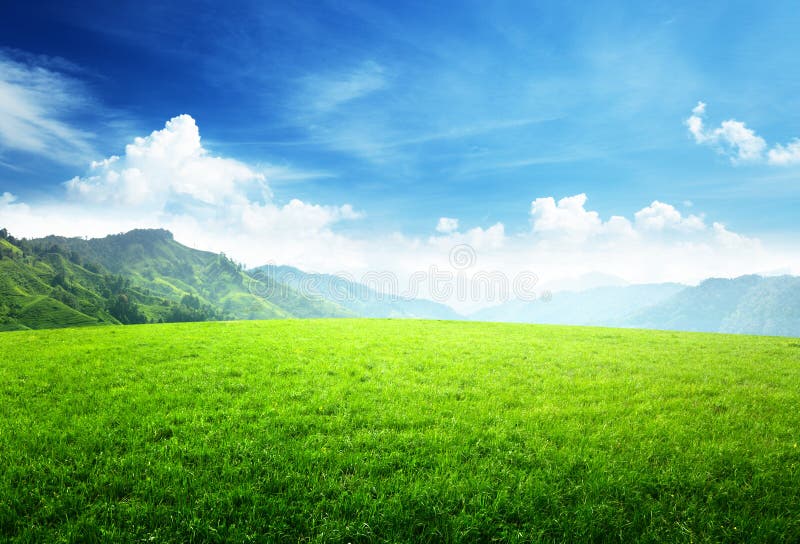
[412,111]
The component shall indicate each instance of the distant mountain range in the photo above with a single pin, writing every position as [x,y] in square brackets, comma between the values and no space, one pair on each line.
[744,305]
[609,306]
[146,276]
[356,297]
[748,304]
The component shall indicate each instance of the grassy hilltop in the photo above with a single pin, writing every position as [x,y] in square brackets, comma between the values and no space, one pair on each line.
[142,276]
[387,431]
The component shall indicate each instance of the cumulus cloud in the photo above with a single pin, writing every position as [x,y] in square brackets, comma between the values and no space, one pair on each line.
[732,137]
[168,179]
[788,154]
[492,237]
[447,225]
[740,143]
[732,240]
[661,217]
[565,216]
[568,239]
[169,164]
[35,101]
[568,219]
[482,239]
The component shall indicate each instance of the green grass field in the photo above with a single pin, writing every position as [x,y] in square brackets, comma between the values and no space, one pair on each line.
[392,431]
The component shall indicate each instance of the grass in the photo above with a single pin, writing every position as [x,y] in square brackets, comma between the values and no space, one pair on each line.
[391,431]
[48,313]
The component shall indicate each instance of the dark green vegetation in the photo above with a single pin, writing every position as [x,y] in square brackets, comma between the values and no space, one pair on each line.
[397,431]
[139,277]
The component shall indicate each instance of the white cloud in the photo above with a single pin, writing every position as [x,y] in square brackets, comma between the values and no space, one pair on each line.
[741,144]
[168,179]
[731,240]
[569,220]
[654,244]
[479,238]
[491,238]
[169,164]
[35,101]
[447,225]
[658,243]
[568,216]
[659,217]
[732,137]
[619,227]
[788,154]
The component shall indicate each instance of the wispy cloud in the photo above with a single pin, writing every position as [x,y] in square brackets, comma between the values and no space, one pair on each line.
[36,100]
[466,131]
[326,92]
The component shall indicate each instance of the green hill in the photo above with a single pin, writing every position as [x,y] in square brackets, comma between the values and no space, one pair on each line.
[44,291]
[744,305]
[138,277]
[153,261]
[397,431]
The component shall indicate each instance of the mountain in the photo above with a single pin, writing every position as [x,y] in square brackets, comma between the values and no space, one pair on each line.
[151,259]
[605,306]
[356,297]
[146,276]
[50,287]
[745,305]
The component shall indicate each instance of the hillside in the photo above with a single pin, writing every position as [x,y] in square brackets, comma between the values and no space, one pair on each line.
[744,305]
[748,305]
[154,260]
[397,431]
[356,297]
[49,287]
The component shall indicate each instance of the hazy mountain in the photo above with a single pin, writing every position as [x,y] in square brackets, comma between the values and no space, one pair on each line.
[607,306]
[356,297]
[748,304]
